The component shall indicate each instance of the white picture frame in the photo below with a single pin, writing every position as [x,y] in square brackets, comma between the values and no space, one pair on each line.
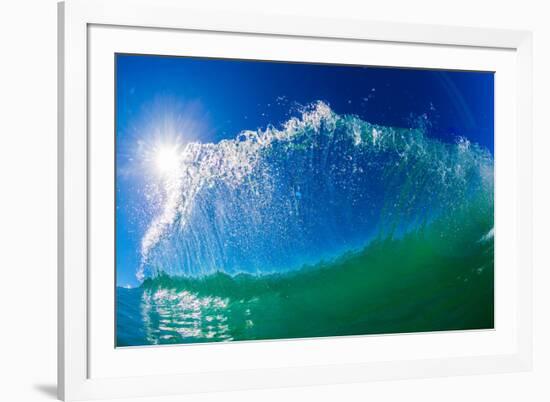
[90,369]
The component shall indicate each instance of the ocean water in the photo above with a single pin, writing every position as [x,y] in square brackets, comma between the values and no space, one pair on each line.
[327,226]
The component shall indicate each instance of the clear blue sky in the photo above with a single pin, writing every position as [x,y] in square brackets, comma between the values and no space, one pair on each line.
[213,99]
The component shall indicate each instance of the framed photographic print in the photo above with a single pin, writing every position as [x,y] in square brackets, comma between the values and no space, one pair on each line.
[259,201]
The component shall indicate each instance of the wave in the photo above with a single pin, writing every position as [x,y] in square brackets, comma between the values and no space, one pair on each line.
[279,199]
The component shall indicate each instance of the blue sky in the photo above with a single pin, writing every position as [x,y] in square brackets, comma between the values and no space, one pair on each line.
[213,99]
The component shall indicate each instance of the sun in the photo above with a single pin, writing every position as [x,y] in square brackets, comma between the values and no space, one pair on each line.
[167,159]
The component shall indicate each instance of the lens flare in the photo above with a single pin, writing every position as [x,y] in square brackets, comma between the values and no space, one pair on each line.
[167,159]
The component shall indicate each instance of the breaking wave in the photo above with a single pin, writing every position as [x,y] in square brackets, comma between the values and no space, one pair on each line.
[278,199]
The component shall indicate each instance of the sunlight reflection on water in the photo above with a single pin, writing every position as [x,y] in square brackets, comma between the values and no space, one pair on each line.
[181,316]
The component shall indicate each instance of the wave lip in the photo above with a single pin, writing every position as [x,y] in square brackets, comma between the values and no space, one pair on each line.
[275,200]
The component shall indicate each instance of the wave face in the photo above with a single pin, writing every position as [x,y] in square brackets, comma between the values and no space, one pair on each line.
[275,200]
[424,281]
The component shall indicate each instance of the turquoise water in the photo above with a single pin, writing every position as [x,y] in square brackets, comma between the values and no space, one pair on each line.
[329,226]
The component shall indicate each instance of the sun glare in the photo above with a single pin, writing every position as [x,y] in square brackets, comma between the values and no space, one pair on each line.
[167,159]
